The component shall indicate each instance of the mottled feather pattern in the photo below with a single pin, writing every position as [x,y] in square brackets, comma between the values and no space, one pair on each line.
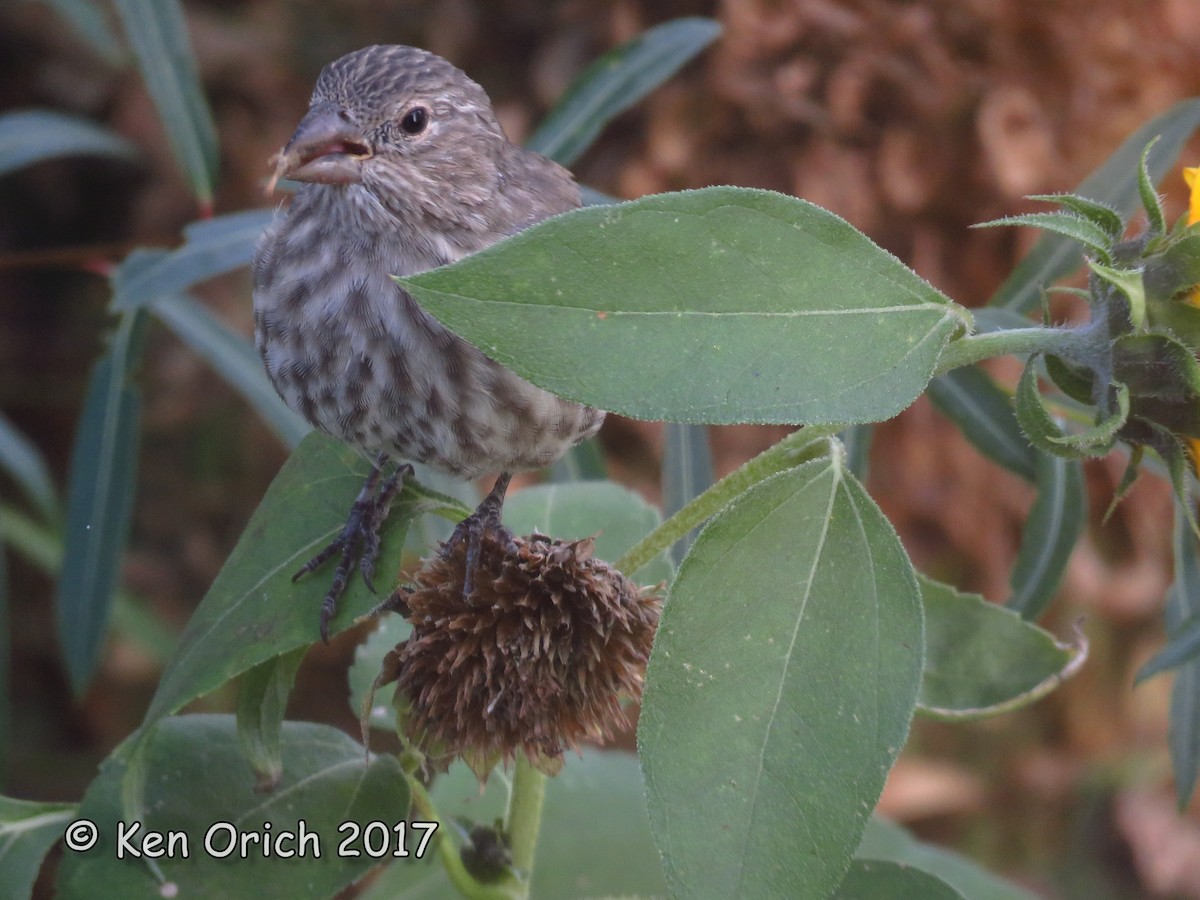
[342,343]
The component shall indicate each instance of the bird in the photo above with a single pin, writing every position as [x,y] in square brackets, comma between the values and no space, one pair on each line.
[402,167]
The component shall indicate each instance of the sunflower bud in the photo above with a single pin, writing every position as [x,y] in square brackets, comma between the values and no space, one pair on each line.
[534,659]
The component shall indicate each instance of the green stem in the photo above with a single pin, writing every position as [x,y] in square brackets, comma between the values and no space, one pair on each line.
[786,454]
[976,347]
[468,886]
[525,816]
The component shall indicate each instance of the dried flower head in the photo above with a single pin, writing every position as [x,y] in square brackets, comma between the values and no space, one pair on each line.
[535,658]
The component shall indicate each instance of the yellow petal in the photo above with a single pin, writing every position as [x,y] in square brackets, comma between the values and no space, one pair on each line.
[1192,178]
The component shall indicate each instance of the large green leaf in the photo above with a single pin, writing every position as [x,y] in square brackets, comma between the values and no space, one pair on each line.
[157,31]
[24,463]
[27,831]
[1115,184]
[885,840]
[780,689]
[720,305]
[197,777]
[1183,602]
[982,659]
[617,81]
[896,881]
[99,500]
[32,135]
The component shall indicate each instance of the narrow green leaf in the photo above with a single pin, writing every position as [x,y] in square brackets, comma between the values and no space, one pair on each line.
[617,81]
[32,135]
[1102,436]
[1183,602]
[1070,225]
[1129,283]
[1183,645]
[886,840]
[1054,525]
[881,878]
[1151,202]
[90,22]
[1114,183]
[24,463]
[720,305]
[27,832]
[6,643]
[1101,214]
[982,659]
[254,612]
[857,441]
[1036,422]
[157,31]
[262,699]
[780,688]
[984,413]
[99,501]
[687,472]
[211,247]
[1075,381]
[196,777]
[234,358]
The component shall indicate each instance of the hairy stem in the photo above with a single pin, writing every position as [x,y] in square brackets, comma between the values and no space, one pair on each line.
[789,452]
[1067,342]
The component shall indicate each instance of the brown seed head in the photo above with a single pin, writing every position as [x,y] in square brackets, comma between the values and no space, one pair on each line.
[535,659]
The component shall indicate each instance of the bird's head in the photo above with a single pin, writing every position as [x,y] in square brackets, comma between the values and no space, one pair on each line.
[403,123]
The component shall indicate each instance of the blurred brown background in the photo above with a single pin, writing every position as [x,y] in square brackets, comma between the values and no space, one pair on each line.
[911,119]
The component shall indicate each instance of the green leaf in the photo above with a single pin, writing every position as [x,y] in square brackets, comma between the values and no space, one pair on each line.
[262,700]
[1151,203]
[1114,183]
[984,413]
[857,441]
[1070,225]
[720,305]
[99,501]
[583,462]
[368,661]
[197,777]
[254,612]
[880,878]
[234,359]
[982,659]
[885,840]
[26,466]
[780,688]
[211,247]
[1051,531]
[157,31]
[1036,422]
[1183,602]
[617,81]
[1183,645]
[602,790]
[687,472]
[617,516]
[32,135]
[1129,283]
[1101,215]
[27,832]
[6,643]
[1101,437]
[1075,381]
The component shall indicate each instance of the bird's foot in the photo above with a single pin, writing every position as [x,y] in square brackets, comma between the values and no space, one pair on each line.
[472,528]
[361,533]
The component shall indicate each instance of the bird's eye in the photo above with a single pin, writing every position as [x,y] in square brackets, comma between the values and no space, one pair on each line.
[415,120]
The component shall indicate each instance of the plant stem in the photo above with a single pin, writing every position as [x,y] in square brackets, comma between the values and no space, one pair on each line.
[973,348]
[789,452]
[525,816]
[468,886]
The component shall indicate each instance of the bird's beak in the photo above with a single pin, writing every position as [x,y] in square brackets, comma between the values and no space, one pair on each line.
[326,149]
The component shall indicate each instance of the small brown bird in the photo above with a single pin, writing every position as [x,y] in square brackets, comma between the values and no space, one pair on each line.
[405,168]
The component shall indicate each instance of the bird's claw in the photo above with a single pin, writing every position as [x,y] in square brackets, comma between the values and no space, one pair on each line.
[487,514]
